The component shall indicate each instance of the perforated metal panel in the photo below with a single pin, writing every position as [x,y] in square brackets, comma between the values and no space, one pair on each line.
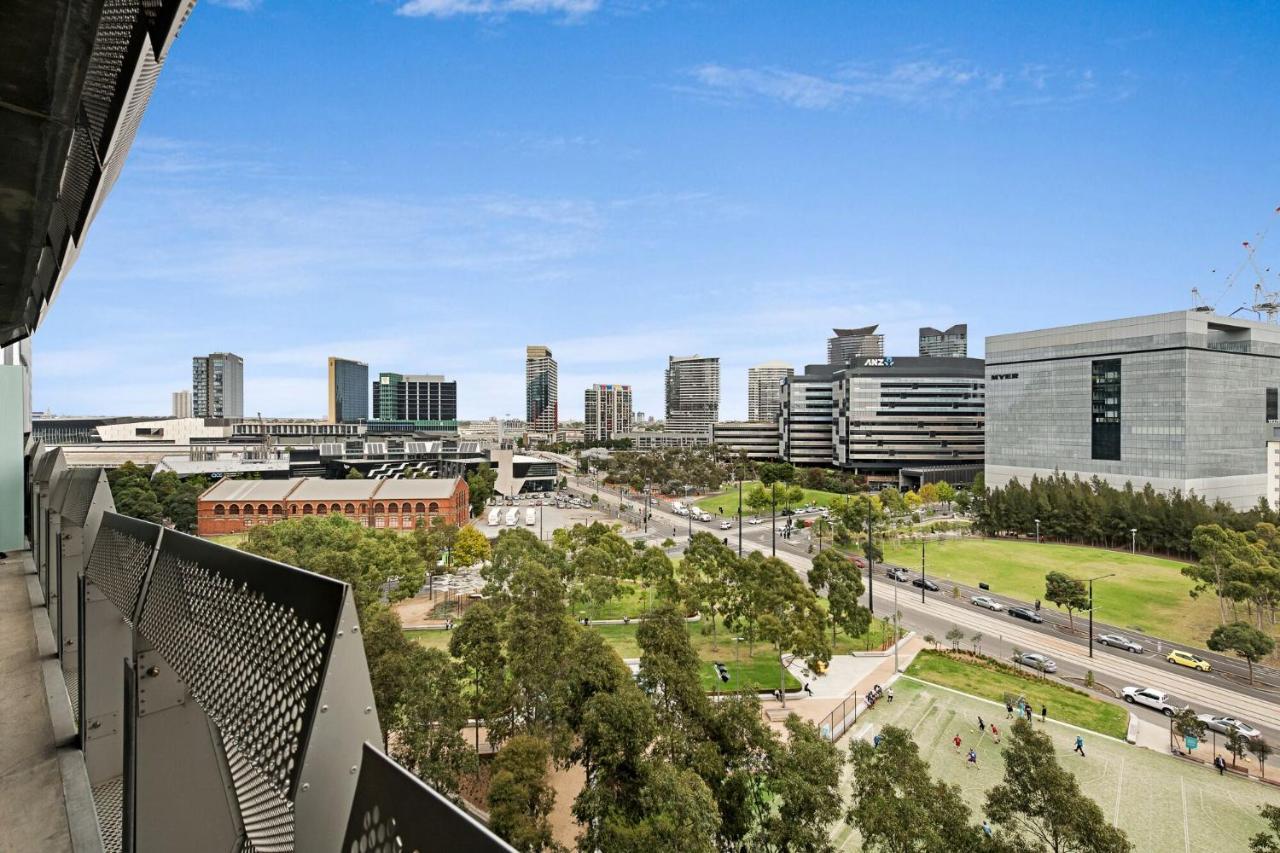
[395,812]
[108,802]
[268,816]
[120,559]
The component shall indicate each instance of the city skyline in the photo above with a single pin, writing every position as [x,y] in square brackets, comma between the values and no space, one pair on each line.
[921,169]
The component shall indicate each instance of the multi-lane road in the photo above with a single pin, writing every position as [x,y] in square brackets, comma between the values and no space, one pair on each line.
[1223,691]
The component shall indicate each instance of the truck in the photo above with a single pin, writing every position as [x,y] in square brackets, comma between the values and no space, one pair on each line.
[495,516]
[677,506]
[530,516]
[513,516]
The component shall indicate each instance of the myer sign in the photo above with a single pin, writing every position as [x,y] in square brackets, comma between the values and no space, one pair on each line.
[887,361]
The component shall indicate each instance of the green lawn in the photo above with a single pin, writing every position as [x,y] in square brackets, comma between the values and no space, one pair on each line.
[727,502]
[1147,593]
[231,540]
[1065,704]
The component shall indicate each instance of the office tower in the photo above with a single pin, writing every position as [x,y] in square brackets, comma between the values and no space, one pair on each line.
[693,393]
[542,397]
[181,404]
[764,390]
[607,412]
[348,390]
[850,344]
[806,427]
[217,385]
[415,397]
[953,343]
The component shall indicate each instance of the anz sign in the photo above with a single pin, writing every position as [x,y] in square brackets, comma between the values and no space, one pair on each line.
[887,361]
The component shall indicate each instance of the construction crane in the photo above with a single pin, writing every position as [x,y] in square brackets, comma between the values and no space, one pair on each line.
[1265,302]
[1198,303]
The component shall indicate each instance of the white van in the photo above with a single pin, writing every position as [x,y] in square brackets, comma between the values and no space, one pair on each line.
[530,516]
[495,516]
[513,516]
[676,506]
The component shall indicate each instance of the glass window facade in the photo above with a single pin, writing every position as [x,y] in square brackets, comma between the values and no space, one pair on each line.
[1273,404]
[1106,409]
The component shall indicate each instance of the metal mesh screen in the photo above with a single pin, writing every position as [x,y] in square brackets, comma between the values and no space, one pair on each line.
[108,802]
[121,555]
[268,815]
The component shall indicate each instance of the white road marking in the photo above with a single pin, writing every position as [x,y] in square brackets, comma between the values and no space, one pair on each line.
[1115,820]
[1186,830]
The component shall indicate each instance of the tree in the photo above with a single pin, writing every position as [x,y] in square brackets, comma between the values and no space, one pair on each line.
[1268,841]
[1187,724]
[1237,745]
[470,547]
[954,636]
[520,798]
[1067,593]
[669,674]
[839,576]
[477,644]
[946,493]
[432,713]
[538,637]
[354,474]
[757,499]
[706,566]
[1040,805]
[387,651]
[480,483]
[789,617]
[1262,751]
[963,500]
[802,785]
[1244,640]
[898,807]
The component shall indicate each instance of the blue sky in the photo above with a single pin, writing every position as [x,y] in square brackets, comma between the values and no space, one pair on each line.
[430,185]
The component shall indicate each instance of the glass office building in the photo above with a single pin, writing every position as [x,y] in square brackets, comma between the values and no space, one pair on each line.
[348,391]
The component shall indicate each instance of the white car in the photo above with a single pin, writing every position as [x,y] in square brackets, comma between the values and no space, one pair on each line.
[726,525]
[1226,725]
[753,520]
[987,601]
[1152,698]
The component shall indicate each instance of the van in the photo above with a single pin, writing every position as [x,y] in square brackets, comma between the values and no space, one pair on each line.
[513,516]
[530,516]
[676,506]
[495,515]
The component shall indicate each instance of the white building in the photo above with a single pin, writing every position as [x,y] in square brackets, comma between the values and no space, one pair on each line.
[608,412]
[764,390]
[181,404]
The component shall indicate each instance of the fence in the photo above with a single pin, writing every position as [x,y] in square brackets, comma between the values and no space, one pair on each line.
[841,719]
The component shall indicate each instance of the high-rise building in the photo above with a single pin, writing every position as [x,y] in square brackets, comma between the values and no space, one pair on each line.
[851,344]
[764,390]
[427,399]
[348,390]
[607,412]
[953,343]
[542,395]
[181,404]
[693,393]
[805,428]
[217,385]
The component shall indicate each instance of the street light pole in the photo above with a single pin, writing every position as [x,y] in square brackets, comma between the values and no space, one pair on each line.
[895,625]
[688,512]
[1133,540]
[922,580]
[1091,580]
[739,514]
[871,587]
[773,519]
[1037,531]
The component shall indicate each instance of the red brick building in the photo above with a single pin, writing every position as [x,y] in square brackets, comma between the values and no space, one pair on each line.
[233,506]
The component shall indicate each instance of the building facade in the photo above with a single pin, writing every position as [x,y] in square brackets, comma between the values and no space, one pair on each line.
[764,390]
[952,343]
[217,385]
[607,412]
[181,404]
[1183,401]
[849,345]
[894,413]
[759,440]
[428,399]
[348,391]
[806,424]
[542,390]
[693,394]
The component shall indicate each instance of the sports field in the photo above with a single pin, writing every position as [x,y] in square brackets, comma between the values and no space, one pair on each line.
[1147,593]
[1163,804]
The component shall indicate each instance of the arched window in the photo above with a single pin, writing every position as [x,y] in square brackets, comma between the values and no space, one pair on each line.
[321,509]
[379,509]
[262,509]
[433,508]
[363,508]
[248,509]
[307,509]
[420,508]
[335,508]
[293,510]
[393,507]
[277,510]
[233,509]
[351,509]
[219,509]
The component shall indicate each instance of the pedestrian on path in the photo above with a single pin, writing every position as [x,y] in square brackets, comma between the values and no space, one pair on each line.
[889,692]
[1220,763]
[1044,712]
[1079,746]
[1027,710]
[956,740]
[972,760]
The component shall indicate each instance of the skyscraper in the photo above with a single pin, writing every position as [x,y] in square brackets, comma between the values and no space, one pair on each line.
[217,385]
[693,393]
[607,412]
[953,343]
[415,397]
[182,404]
[542,396]
[764,390]
[348,390]
[850,344]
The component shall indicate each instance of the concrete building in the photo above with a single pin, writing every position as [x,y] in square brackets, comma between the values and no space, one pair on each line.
[806,430]
[693,394]
[1183,401]
[217,385]
[181,404]
[348,390]
[426,399]
[764,390]
[656,439]
[953,343]
[608,412]
[851,344]
[758,439]
[542,391]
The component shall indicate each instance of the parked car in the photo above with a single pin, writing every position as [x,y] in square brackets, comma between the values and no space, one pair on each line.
[753,520]
[1189,660]
[1157,699]
[987,602]
[1116,641]
[1025,613]
[900,575]
[726,525]
[1227,725]
[926,583]
[1035,660]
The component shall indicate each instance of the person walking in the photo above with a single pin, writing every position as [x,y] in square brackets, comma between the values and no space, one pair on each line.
[1028,712]
[1219,763]
[1079,745]
[986,829]
[956,740]
[982,726]
[995,733]
[889,692]
[972,761]
[1008,710]
[1044,712]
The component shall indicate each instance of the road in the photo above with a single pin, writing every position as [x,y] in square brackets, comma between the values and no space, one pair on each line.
[1216,692]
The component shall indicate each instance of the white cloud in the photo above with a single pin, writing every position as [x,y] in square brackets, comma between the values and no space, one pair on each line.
[569,9]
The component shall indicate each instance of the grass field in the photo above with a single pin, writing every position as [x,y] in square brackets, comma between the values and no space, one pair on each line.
[1147,593]
[231,540]
[727,503]
[1064,704]
[1163,804]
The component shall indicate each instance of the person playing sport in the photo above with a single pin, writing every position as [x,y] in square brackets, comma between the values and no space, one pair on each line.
[1079,746]
[995,733]
[973,759]
[956,740]
[982,726]
[1008,710]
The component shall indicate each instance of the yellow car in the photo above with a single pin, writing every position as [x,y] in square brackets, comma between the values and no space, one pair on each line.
[1188,659]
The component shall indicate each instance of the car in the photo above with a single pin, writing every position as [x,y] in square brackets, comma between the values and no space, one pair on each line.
[1035,660]
[726,525]
[926,583]
[1116,641]
[1025,613]
[987,602]
[1189,660]
[900,575]
[1152,698]
[1227,725]
[753,520]
[858,561]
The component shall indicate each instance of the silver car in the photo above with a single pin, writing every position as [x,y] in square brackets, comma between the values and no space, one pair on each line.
[987,602]
[1226,725]
[1035,660]
[1118,642]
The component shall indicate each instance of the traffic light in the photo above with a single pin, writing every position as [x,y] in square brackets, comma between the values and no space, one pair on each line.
[722,671]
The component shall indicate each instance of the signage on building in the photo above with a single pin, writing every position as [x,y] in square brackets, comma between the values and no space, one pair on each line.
[887,361]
